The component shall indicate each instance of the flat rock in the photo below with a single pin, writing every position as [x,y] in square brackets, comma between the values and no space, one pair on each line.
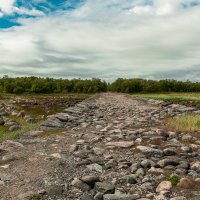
[121,144]
[120,197]
[151,152]
[90,180]
[179,198]
[105,188]
[80,184]
[168,161]
[53,122]
[95,167]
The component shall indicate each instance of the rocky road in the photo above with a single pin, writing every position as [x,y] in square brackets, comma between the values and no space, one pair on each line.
[109,147]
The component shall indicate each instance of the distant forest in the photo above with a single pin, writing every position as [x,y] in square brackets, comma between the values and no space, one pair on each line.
[49,85]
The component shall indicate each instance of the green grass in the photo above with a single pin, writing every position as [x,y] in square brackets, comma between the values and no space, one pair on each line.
[172,96]
[8,135]
[5,134]
[185,123]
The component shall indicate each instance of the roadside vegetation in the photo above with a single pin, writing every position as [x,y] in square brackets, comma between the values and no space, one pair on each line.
[5,134]
[175,96]
[185,123]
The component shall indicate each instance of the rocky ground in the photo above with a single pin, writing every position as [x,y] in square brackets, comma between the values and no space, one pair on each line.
[16,110]
[109,147]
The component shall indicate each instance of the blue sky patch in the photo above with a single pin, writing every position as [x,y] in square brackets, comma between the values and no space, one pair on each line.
[7,22]
[43,6]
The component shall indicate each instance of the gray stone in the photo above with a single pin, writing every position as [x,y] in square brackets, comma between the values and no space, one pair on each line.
[168,161]
[31,119]
[80,184]
[186,149]
[10,122]
[105,188]
[132,179]
[121,144]
[146,163]
[196,166]
[63,117]
[169,151]
[120,197]
[154,170]
[73,148]
[53,123]
[98,151]
[150,152]
[98,196]
[90,180]
[95,167]
[184,165]
[14,128]
[140,172]
[9,157]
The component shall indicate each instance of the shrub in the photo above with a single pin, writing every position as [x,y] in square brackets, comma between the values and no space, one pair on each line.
[174,180]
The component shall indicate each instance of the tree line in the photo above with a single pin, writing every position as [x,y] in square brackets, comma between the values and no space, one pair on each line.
[153,86]
[39,85]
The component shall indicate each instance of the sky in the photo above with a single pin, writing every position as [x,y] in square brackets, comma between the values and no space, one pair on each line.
[107,39]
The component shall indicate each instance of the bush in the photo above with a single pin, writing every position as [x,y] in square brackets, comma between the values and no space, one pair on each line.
[174,180]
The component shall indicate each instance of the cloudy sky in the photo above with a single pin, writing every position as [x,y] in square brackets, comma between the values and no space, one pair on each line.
[100,38]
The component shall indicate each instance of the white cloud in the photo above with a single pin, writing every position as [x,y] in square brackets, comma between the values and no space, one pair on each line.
[91,41]
[7,7]
[162,7]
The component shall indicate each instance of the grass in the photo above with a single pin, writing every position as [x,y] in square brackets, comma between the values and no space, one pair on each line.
[172,96]
[5,134]
[185,123]
[8,135]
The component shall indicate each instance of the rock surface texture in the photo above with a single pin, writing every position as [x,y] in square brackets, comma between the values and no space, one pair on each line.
[109,147]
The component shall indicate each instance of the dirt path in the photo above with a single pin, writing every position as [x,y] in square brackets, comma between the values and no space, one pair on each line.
[107,147]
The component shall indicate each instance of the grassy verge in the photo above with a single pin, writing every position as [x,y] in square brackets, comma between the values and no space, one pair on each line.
[185,123]
[172,96]
[8,135]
